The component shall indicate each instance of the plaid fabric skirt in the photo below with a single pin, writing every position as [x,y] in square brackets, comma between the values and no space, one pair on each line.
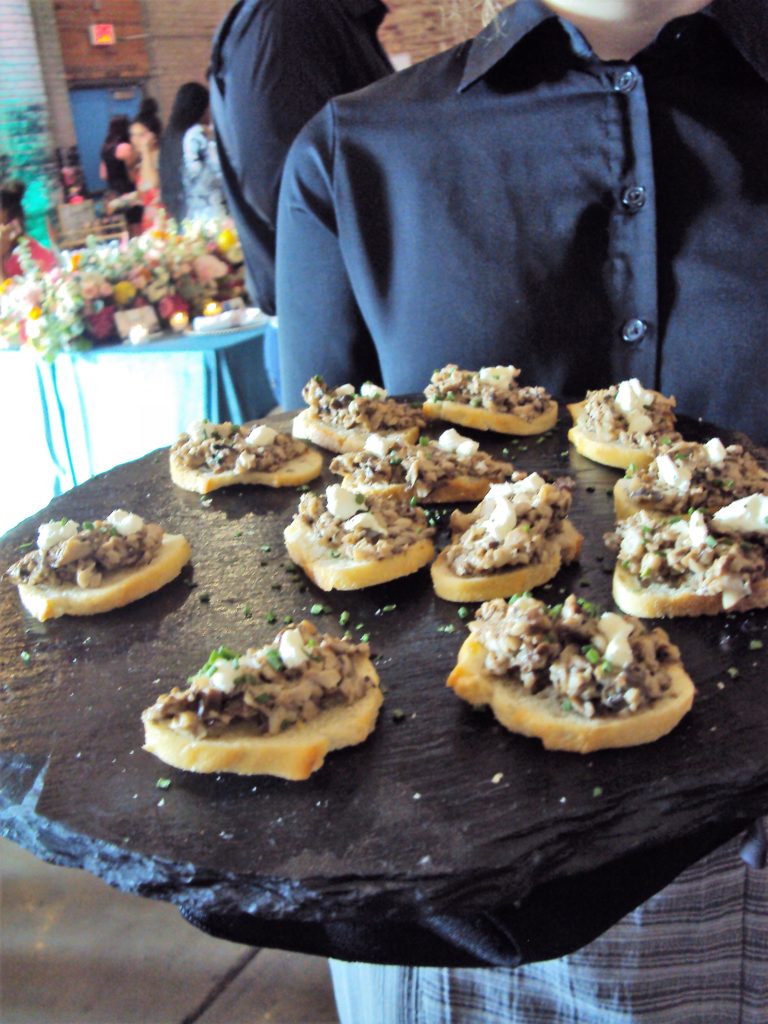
[695,953]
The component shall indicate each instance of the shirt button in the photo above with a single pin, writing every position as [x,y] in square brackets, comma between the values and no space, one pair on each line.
[626,81]
[633,198]
[634,330]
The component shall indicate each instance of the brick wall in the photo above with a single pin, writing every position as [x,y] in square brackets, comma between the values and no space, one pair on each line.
[421,28]
[26,146]
[87,64]
[179,34]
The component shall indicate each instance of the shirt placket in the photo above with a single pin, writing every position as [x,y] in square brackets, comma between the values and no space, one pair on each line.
[632,273]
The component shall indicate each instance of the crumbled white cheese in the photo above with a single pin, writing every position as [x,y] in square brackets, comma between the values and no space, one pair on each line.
[54,532]
[126,523]
[371,390]
[631,394]
[673,474]
[365,521]
[376,445]
[201,430]
[715,450]
[503,518]
[345,389]
[224,674]
[747,515]
[452,441]
[697,529]
[291,649]
[503,497]
[261,436]
[529,485]
[631,399]
[734,588]
[614,631]
[502,375]
[343,503]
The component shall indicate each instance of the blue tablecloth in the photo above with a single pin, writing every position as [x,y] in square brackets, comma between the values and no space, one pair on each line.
[89,411]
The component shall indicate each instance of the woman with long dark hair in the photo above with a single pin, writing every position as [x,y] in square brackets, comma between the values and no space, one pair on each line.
[190,178]
[117,157]
[144,133]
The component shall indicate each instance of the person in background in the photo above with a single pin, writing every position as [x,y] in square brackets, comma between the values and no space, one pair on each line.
[118,160]
[13,230]
[274,64]
[580,191]
[190,177]
[145,131]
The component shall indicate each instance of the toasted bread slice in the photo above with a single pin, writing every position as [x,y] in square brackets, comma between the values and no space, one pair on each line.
[292,473]
[342,439]
[623,503]
[293,754]
[656,600]
[116,589]
[561,549]
[346,573]
[486,419]
[607,453]
[540,714]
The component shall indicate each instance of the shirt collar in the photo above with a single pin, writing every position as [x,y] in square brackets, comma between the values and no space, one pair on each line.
[745,22]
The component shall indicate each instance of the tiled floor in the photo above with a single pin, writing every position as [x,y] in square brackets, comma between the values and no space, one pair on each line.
[75,951]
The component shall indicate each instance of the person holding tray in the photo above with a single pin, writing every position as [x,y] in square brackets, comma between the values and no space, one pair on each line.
[580,191]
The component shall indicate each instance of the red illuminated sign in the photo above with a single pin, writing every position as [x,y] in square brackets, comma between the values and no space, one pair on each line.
[102,35]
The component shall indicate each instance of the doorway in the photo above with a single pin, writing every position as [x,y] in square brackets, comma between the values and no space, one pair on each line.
[91,112]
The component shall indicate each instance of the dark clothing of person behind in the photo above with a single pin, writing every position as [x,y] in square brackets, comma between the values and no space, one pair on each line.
[119,179]
[274,64]
[517,200]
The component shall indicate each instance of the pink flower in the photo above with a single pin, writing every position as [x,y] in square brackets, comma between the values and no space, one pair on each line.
[208,268]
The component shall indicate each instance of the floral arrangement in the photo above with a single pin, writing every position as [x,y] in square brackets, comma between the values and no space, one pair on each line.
[174,269]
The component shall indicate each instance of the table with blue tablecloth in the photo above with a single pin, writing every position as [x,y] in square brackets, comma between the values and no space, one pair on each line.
[86,412]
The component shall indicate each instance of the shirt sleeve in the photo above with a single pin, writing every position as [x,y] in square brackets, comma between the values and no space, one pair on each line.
[195,150]
[321,328]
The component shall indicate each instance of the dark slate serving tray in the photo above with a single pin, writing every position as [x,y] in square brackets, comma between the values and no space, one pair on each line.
[408,825]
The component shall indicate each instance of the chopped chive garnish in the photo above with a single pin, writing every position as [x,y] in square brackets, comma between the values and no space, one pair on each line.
[463,612]
[26,657]
[755,645]
[274,659]
[271,617]
[344,618]
[163,784]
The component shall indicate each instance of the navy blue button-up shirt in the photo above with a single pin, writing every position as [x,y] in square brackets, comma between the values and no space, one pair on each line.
[518,200]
